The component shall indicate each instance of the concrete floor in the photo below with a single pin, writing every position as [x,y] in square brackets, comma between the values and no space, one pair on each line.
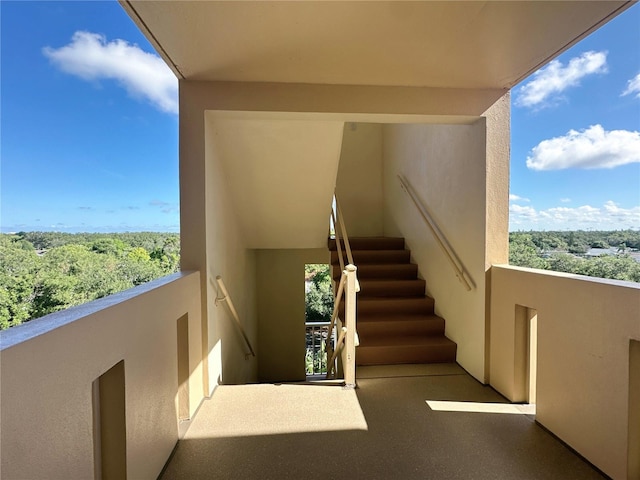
[383,430]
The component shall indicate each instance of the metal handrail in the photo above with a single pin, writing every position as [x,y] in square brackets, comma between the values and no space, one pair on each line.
[455,262]
[348,287]
[343,229]
[348,338]
[226,298]
[337,238]
[336,301]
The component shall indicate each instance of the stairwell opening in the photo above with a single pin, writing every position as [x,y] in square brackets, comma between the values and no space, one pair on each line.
[318,309]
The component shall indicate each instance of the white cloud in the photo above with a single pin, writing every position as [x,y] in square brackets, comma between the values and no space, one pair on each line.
[588,149]
[565,200]
[608,217]
[165,207]
[633,87]
[555,78]
[517,198]
[143,75]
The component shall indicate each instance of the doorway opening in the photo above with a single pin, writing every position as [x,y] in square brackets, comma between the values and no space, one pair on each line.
[318,310]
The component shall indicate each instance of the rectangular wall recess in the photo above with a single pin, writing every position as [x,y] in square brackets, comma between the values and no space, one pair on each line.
[183,368]
[110,435]
[633,470]
[526,352]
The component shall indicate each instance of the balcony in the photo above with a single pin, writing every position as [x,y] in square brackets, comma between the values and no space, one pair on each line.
[57,393]
[402,422]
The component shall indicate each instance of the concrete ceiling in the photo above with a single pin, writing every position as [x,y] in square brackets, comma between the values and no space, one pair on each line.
[472,44]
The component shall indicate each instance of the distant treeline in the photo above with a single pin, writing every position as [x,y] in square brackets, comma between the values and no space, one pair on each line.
[43,272]
[566,252]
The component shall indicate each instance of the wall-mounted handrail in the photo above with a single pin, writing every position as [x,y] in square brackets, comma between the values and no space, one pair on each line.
[226,298]
[450,254]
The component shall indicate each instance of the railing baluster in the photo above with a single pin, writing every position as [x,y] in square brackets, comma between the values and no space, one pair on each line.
[350,286]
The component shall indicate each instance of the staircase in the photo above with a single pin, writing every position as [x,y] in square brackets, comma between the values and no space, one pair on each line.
[396,321]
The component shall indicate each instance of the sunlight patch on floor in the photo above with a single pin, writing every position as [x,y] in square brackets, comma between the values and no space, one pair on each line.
[477,407]
[249,410]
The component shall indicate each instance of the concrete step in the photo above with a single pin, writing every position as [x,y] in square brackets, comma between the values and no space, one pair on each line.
[406,349]
[370,243]
[391,288]
[380,306]
[382,271]
[396,321]
[361,257]
[399,325]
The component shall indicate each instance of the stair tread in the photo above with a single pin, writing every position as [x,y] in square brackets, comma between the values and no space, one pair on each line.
[406,341]
[395,281]
[391,288]
[400,317]
[370,243]
[396,320]
[383,271]
[375,256]
[425,298]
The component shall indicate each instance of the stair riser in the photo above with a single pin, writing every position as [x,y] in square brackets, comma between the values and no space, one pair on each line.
[392,289]
[375,243]
[404,271]
[385,307]
[375,256]
[396,321]
[390,328]
[408,354]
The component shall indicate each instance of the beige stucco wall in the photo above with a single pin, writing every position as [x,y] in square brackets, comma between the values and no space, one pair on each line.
[584,328]
[48,366]
[498,157]
[229,257]
[212,242]
[281,311]
[280,175]
[446,167]
[359,182]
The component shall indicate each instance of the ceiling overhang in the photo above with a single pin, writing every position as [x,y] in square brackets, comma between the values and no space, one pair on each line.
[461,44]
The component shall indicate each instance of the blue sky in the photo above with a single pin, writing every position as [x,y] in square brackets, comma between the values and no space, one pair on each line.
[90,128]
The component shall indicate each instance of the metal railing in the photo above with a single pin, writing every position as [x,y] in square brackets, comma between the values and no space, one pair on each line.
[317,337]
[347,288]
[234,313]
[442,241]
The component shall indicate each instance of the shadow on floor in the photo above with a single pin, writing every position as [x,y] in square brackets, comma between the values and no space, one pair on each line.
[382,430]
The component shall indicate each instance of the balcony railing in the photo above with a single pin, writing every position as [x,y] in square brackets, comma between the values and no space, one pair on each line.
[587,358]
[129,365]
[316,336]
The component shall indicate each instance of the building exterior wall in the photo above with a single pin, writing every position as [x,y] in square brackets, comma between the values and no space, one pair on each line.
[583,362]
[48,367]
